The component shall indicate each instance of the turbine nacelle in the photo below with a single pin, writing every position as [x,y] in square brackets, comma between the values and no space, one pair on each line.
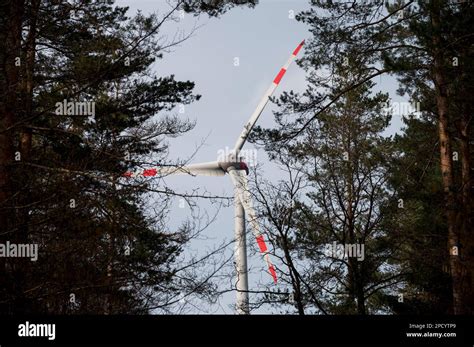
[234,165]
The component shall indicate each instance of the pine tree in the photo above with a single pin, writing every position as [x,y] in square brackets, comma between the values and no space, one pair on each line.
[342,159]
[417,42]
[100,251]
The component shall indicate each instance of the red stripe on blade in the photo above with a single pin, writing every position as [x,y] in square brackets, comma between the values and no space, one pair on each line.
[295,52]
[261,244]
[279,76]
[273,272]
[127,174]
[149,172]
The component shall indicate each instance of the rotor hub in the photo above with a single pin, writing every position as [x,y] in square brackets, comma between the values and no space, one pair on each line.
[234,165]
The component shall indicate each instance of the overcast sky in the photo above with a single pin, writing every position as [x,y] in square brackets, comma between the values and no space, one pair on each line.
[261,39]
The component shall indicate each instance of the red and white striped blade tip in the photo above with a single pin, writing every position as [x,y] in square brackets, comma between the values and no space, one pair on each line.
[297,49]
[282,71]
[263,249]
[273,273]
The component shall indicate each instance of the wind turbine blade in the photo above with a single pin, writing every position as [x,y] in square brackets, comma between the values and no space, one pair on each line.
[201,169]
[241,185]
[263,102]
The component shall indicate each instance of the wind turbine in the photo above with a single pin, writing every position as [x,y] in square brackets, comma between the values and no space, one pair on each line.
[238,171]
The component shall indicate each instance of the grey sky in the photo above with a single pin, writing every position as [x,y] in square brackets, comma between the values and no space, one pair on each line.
[262,39]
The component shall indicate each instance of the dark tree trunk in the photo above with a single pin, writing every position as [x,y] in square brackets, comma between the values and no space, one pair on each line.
[446,163]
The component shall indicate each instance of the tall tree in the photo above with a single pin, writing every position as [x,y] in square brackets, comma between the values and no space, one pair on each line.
[79,106]
[412,40]
[417,220]
[342,160]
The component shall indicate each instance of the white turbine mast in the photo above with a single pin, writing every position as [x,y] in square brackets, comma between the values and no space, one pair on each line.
[238,171]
